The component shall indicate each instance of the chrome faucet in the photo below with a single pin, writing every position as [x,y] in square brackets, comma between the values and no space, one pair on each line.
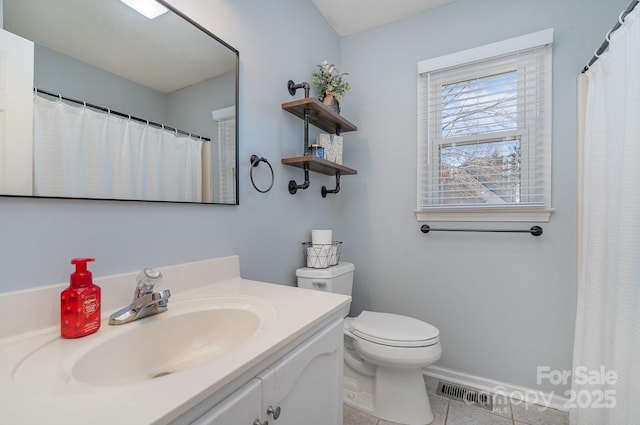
[146,302]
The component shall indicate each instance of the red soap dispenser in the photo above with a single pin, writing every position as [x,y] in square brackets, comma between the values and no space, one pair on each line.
[80,303]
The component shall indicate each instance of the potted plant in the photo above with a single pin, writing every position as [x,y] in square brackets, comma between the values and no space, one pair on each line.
[331,84]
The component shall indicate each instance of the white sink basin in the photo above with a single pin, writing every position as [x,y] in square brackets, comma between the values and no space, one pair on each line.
[162,347]
[187,335]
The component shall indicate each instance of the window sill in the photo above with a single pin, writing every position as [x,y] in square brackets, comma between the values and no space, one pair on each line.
[517,214]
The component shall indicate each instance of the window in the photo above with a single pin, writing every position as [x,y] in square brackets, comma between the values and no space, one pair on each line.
[484,141]
[220,177]
[227,155]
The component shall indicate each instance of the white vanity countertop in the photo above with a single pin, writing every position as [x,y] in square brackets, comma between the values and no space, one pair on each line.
[53,396]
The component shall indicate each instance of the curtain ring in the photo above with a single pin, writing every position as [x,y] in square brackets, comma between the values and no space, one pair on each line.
[620,19]
[595,53]
[608,36]
[255,161]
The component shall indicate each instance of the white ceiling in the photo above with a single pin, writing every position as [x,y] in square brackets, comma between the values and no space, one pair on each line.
[351,16]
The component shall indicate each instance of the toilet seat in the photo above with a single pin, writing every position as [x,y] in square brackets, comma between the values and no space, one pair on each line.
[394,330]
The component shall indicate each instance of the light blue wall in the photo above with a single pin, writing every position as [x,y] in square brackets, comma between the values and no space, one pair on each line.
[59,73]
[208,96]
[188,109]
[40,236]
[504,303]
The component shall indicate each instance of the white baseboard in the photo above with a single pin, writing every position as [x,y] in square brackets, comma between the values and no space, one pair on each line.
[491,386]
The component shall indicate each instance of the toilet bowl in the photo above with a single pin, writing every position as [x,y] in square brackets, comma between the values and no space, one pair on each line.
[384,354]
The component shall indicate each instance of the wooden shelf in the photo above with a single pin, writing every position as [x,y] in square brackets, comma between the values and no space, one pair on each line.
[319,165]
[321,116]
[324,118]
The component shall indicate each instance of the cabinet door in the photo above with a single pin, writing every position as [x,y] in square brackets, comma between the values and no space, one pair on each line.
[306,384]
[240,408]
[16,114]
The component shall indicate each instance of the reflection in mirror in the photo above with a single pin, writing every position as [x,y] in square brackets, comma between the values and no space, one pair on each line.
[106,103]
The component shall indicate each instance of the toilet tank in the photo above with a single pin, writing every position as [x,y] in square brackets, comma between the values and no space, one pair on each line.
[337,279]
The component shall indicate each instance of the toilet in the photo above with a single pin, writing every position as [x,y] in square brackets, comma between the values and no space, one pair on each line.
[384,354]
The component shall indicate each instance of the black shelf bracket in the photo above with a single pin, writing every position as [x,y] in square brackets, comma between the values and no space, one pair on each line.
[336,190]
[293,87]
[293,186]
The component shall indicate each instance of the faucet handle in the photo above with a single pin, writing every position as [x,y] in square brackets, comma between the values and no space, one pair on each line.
[152,272]
[147,280]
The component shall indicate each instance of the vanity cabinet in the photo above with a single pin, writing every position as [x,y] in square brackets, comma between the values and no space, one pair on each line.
[303,387]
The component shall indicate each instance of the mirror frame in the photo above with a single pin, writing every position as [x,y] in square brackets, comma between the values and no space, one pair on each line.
[237,88]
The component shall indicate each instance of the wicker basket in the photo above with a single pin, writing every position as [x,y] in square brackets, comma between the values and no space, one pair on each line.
[321,256]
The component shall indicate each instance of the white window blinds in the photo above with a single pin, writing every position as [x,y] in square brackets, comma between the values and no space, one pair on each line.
[484,137]
[227,155]
[223,173]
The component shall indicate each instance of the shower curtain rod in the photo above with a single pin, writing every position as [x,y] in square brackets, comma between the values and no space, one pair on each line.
[121,114]
[605,44]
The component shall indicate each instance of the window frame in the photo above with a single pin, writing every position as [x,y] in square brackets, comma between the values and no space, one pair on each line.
[435,158]
[430,151]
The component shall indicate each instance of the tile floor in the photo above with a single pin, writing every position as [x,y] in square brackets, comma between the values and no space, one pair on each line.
[450,412]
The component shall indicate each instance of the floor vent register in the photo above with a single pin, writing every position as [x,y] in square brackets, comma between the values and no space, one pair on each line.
[466,395]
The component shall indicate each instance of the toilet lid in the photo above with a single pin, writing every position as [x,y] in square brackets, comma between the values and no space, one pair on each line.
[394,330]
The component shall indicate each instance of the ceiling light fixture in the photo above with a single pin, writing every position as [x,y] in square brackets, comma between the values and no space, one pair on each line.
[149,8]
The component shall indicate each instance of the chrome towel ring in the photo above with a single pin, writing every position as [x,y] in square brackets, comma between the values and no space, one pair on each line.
[255,161]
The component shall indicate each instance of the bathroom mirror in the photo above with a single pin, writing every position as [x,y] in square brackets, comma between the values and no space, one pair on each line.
[122,106]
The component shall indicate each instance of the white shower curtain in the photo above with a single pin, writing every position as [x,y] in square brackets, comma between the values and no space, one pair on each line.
[608,313]
[82,153]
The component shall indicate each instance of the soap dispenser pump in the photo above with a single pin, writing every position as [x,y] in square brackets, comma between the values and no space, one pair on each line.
[80,303]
